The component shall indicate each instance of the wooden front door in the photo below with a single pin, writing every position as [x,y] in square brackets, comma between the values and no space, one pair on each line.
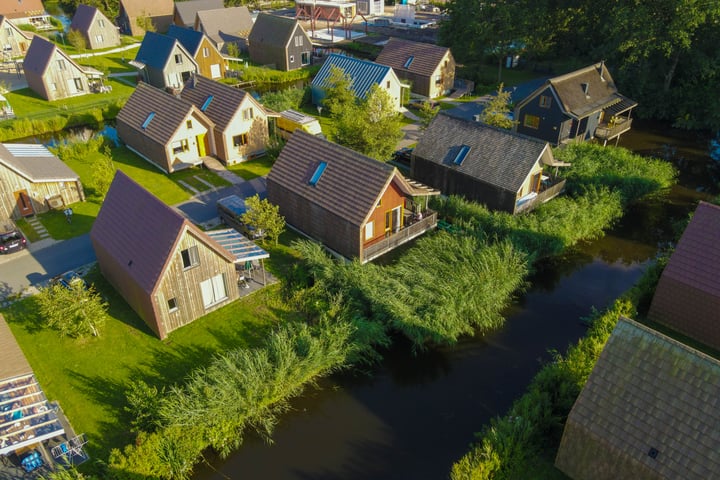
[23,203]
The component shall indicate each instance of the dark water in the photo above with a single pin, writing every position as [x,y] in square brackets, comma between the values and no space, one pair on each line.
[416,415]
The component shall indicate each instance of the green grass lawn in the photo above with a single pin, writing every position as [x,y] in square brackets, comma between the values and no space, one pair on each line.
[116,62]
[28,104]
[89,377]
[165,187]
[257,167]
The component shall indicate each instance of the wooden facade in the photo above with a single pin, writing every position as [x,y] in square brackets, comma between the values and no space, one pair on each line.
[13,41]
[211,63]
[344,200]
[279,42]
[159,12]
[23,193]
[53,75]
[167,269]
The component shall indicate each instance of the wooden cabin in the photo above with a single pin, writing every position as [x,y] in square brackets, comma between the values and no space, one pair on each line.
[498,168]
[167,269]
[33,181]
[354,205]
[210,62]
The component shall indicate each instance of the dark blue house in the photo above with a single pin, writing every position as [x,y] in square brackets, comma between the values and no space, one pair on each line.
[577,106]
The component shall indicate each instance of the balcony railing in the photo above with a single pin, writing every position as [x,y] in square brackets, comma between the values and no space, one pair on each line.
[605,131]
[551,190]
[405,234]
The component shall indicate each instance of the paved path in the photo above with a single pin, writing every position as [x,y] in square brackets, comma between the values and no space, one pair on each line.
[105,52]
[213,164]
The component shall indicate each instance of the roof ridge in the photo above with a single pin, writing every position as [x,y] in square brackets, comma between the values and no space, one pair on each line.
[575,73]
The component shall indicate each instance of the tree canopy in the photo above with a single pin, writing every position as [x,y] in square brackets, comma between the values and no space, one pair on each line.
[662,53]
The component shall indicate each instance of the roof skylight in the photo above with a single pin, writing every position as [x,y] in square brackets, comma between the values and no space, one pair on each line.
[462,153]
[318,173]
[147,121]
[207,103]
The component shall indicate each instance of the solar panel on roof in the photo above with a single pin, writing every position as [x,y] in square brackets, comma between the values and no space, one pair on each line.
[149,118]
[318,173]
[462,153]
[206,104]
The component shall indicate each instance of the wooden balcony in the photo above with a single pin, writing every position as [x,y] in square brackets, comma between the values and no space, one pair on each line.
[549,190]
[606,132]
[405,234]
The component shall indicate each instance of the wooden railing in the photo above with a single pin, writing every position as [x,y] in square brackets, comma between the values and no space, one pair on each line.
[549,192]
[403,235]
[605,132]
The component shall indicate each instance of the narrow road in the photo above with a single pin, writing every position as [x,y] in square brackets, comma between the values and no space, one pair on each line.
[21,270]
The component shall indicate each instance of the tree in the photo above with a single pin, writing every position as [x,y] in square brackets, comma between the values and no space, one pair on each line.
[75,311]
[339,95]
[372,128]
[103,173]
[77,40]
[233,50]
[263,215]
[427,112]
[496,111]
[145,22]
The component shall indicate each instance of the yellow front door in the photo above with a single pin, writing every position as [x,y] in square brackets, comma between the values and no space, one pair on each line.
[201,144]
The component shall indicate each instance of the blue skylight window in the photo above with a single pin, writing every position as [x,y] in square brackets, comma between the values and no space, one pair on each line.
[409,61]
[148,120]
[207,103]
[462,153]
[318,173]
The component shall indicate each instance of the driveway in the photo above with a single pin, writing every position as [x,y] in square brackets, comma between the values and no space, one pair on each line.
[42,261]
[201,209]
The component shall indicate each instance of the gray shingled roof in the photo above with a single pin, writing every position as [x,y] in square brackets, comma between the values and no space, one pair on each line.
[223,24]
[350,184]
[650,391]
[169,112]
[224,105]
[188,9]
[35,163]
[496,156]
[272,30]
[602,90]
[426,57]
[83,18]
[139,231]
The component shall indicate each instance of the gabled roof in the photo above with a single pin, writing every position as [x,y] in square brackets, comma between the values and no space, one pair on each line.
[35,163]
[83,18]
[696,259]
[5,22]
[225,102]
[426,57]
[140,232]
[41,52]
[499,157]
[601,90]
[350,184]
[273,30]
[224,23]
[363,74]
[154,8]
[22,8]
[168,113]
[188,9]
[156,49]
[651,400]
[190,39]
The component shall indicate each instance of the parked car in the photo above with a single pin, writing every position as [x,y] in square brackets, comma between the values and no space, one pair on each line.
[68,279]
[11,240]
[231,209]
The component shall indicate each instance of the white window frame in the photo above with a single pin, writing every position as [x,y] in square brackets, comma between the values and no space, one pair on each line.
[213,290]
[369,230]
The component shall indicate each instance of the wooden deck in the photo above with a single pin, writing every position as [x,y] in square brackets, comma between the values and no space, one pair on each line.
[403,235]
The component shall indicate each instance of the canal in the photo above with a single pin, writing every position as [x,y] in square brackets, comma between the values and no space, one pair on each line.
[415,415]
